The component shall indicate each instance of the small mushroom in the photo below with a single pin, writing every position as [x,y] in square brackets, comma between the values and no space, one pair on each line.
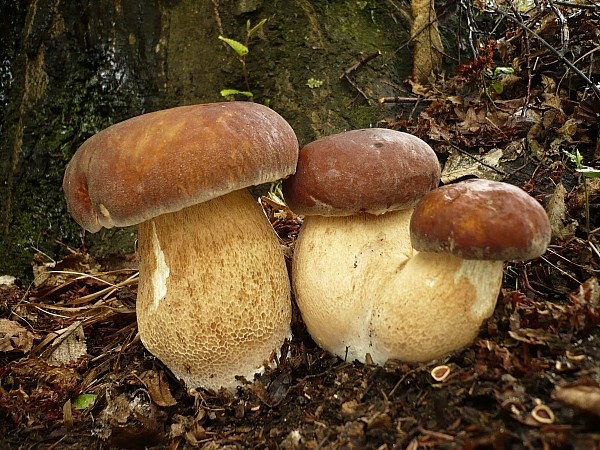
[356,190]
[463,232]
[214,296]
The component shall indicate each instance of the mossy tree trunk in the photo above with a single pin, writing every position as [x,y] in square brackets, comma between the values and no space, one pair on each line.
[70,69]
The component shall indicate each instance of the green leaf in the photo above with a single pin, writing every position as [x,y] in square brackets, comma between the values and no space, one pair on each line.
[84,401]
[503,70]
[255,28]
[575,158]
[498,87]
[314,83]
[589,172]
[228,92]
[238,47]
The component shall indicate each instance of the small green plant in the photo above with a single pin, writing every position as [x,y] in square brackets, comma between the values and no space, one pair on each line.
[314,83]
[586,172]
[242,50]
[496,77]
[275,193]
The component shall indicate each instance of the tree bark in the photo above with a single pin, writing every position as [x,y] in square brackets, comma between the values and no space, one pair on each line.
[70,69]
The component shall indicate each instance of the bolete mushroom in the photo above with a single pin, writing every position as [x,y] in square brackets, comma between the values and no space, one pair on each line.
[462,233]
[356,190]
[214,297]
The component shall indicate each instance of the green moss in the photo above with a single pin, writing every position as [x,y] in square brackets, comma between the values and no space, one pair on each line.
[68,114]
[173,57]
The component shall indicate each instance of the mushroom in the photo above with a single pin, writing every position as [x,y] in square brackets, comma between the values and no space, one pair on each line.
[462,233]
[214,296]
[356,190]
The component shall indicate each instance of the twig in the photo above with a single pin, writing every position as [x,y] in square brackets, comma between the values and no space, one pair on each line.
[217,16]
[564,27]
[404,99]
[460,150]
[594,249]
[577,5]
[527,66]
[436,434]
[346,75]
[364,60]
[470,25]
[559,269]
[582,75]
[400,381]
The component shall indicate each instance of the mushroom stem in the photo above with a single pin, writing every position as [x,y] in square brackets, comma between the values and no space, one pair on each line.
[214,296]
[340,265]
[434,306]
[362,288]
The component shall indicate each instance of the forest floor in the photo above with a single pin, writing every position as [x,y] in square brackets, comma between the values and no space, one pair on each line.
[74,375]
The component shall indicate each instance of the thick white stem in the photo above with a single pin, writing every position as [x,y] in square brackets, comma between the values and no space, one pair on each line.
[339,265]
[362,288]
[436,305]
[214,296]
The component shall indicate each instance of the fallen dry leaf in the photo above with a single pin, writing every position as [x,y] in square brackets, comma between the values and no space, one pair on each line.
[158,388]
[461,165]
[14,337]
[586,398]
[562,227]
[69,346]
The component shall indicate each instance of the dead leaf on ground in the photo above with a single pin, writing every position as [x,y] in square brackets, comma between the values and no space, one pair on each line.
[460,165]
[131,422]
[586,398]
[158,388]
[69,345]
[562,227]
[14,337]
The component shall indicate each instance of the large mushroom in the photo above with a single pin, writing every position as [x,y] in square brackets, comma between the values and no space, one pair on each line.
[462,233]
[356,190]
[214,296]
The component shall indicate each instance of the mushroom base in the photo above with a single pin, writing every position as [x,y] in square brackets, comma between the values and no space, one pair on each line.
[339,267]
[214,296]
[434,306]
[362,288]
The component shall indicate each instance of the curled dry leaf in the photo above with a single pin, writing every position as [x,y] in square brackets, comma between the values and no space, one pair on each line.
[69,346]
[461,165]
[586,398]
[158,388]
[562,227]
[14,337]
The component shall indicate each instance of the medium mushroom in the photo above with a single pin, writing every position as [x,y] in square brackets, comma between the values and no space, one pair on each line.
[463,232]
[214,297]
[356,190]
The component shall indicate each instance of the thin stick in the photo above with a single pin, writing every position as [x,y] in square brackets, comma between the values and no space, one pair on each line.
[356,66]
[582,75]
[564,27]
[404,99]
[364,60]
[578,6]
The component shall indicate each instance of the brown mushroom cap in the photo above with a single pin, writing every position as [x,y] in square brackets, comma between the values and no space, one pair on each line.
[167,160]
[480,219]
[372,170]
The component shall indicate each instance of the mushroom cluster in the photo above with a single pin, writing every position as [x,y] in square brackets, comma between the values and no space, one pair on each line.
[357,190]
[461,233]
[385,264]
[214,296]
